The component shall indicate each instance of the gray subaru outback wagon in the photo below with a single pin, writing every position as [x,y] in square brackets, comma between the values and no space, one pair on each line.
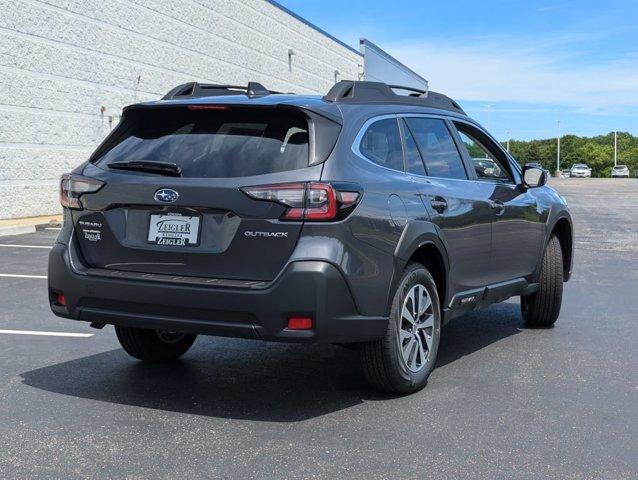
[370,216]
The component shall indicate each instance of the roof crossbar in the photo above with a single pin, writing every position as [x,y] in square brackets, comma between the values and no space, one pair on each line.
[197,90]
[350,91]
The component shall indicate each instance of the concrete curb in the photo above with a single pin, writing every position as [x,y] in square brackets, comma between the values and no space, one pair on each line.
[19,226]
[16,230]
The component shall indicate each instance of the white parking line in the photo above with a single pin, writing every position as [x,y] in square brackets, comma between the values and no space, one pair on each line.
[48,334]
[25,246]
[15,275]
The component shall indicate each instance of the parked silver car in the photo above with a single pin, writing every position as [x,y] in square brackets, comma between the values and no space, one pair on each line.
[486,168]
[620,171]
[580,170]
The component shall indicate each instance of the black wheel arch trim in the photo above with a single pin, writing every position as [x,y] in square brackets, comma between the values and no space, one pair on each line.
[554,217]
[417,234]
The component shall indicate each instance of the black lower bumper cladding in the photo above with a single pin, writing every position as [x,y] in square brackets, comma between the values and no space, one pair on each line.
[313,289]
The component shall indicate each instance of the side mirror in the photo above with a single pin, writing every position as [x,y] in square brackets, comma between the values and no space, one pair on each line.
[534,177]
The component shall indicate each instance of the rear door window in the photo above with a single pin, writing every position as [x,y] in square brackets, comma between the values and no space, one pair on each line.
[211,143]
[437,147]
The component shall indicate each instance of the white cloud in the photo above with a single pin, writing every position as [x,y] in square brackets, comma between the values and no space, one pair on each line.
[550,71]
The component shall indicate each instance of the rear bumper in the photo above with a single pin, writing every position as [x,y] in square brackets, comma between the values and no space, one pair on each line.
[306,288]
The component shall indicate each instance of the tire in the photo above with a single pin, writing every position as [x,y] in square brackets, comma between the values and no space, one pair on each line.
[383,361]
[541,309]
[154,345]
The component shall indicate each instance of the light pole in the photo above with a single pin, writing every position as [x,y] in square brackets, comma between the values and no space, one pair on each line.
[558,148]
[615,148]
[508,140]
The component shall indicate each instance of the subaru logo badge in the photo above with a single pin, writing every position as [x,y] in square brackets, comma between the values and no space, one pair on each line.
[166,195]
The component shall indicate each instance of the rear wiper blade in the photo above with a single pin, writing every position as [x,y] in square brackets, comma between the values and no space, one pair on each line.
[149,166]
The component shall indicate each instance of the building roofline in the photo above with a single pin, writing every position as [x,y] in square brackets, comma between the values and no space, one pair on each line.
[313,26]
[364,42]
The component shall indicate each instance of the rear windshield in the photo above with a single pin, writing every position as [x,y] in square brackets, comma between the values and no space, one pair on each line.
[211,143]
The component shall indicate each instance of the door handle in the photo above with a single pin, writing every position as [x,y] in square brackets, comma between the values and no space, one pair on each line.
[498,206]
[439,204]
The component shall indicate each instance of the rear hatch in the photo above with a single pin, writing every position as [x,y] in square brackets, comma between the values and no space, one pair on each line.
[199,222]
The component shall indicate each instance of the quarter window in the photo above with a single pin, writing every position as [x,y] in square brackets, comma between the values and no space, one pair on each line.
[439,152]
[381,144]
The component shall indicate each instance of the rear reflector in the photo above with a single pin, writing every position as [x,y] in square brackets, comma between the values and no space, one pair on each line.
[299,323]
[60,300]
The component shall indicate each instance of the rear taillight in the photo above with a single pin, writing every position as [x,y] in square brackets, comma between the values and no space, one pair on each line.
[72,187]
[312,201]
[320,204]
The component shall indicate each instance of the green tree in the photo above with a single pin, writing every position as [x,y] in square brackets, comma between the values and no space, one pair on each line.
[597,152]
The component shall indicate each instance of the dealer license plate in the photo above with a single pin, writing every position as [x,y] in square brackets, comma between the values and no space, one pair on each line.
[174,229]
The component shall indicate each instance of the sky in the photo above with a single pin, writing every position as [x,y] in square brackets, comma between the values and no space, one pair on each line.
[518,67]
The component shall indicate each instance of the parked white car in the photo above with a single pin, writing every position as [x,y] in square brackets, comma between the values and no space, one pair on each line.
[620,171]
[580,170]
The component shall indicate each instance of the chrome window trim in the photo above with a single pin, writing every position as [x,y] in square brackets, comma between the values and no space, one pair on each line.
[364,128]
[357,143]
[430,178]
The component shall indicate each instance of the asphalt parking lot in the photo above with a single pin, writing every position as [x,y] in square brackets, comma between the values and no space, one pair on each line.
[504,401]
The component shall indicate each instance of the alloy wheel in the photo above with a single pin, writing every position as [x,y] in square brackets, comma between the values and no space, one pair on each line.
[416,328]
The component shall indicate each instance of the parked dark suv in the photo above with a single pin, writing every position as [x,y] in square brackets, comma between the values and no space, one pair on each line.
[362,217]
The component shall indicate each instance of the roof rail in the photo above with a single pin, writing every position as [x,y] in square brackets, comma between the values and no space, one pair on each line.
[196,90]
[350,91]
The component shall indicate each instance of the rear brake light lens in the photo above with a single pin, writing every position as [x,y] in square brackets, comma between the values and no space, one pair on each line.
[72,187]
[316,202]
[207,107]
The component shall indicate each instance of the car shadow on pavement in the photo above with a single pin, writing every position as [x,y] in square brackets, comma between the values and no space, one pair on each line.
[475,331]
[250,380]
